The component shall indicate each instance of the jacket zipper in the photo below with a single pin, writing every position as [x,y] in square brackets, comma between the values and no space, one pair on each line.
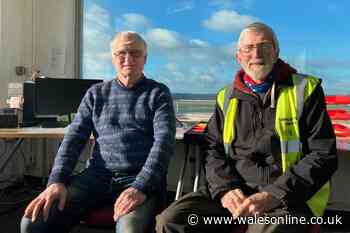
[264,171]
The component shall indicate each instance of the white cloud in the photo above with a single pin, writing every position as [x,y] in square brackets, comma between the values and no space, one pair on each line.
[97,35]
[104,56]
[97,26]
[171,66]
[189,64]
[97,16]
[206,78]
[199,43]
[163,38]
[194,67]
[228,21]
[229,49]
[180,7]
[194,78]
[133,21]
[176,47]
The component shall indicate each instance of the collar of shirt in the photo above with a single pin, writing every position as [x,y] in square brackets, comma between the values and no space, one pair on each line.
[258,88]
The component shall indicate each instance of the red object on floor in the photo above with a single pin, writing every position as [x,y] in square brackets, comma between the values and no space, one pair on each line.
[341,130]
[102,217]
[337,99]
[338,114]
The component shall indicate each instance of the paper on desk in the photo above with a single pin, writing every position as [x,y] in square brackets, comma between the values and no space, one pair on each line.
[180,131]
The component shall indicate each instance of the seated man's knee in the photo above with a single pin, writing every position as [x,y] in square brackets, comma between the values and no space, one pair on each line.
[39,225]
[131,223]
[26,225]
[168,217]
[142,219]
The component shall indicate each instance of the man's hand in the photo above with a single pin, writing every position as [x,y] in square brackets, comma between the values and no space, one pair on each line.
[257,204]
[45,199]
[128,200]
[232,200]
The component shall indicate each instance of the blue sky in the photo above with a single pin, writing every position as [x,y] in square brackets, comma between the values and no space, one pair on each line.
[192,42]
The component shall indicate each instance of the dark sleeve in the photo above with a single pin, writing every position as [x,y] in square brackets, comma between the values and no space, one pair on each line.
[73,142]
[156,166]
[302,180]
[221,173]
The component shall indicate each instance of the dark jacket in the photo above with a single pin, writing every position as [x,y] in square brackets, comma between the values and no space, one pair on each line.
[255,163]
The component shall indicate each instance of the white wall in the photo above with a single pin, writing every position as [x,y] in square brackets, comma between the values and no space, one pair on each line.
[54,32]
[16,40]
[37,33]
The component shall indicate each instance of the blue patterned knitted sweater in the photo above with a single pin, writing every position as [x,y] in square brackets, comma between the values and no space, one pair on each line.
[134,131]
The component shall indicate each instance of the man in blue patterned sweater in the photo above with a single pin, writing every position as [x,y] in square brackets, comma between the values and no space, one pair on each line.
[133,122]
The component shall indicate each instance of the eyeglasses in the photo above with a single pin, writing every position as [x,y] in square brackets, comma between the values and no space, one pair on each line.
[134,53]
[265,47]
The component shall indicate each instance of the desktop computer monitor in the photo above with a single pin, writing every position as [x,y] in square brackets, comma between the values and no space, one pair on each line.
[28,118]
[59,96]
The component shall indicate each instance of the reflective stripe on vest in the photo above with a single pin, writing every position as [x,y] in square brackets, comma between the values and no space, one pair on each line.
[288,112]
[229,107]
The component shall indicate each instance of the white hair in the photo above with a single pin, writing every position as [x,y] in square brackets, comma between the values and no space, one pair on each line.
[261,27]
[128,34]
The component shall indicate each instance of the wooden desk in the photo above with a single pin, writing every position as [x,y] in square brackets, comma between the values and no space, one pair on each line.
[55,133]
[33,132]
[19,134]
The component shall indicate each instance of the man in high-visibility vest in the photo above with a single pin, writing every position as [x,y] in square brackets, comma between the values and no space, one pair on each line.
[270,148]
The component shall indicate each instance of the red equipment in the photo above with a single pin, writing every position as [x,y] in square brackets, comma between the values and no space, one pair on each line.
[341,130]
[337,99]
[338,114]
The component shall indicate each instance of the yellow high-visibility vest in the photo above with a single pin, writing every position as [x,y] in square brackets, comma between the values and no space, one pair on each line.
[289,107]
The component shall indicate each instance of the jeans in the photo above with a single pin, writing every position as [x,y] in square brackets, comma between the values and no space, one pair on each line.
[88,191]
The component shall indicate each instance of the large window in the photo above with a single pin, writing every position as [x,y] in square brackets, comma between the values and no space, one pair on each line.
[192,42]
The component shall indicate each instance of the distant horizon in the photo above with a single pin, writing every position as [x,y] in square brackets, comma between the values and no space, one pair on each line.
[194,96]
[214,94]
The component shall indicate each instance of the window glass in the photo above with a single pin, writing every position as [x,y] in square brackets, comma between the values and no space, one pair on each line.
[192,43]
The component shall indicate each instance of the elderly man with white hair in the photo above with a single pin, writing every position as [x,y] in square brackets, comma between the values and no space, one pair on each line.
[132,120]
[270,149]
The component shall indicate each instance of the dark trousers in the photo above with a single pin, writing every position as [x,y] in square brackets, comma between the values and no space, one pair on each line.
[188,213]
[87,192]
